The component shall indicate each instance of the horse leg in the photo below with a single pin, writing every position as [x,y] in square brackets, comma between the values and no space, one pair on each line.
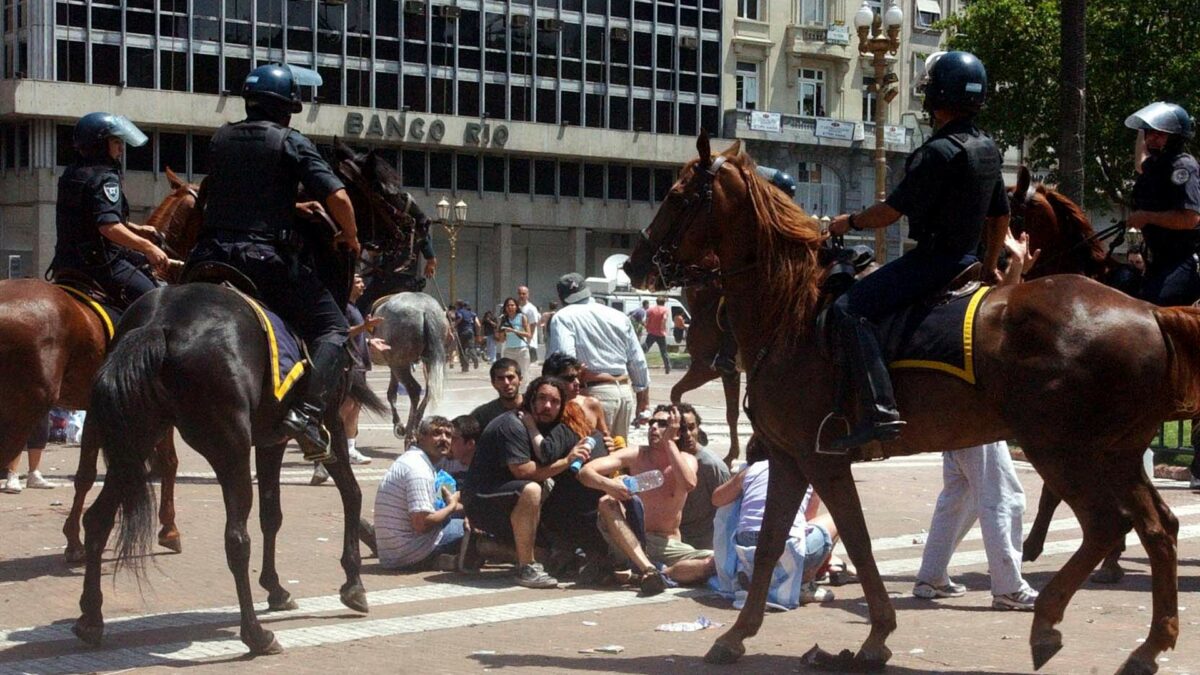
[352,593]
[697,374]
[733,389]
[1047,503]
[1158,530]
[415,410]
[786,486]
[98,525]
[1102,524]
[393,388]
[270,519]
[85,477]
[168,461]
[831,478]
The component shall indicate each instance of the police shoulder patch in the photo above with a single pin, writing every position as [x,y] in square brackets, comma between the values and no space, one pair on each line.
[1180,176]
[112,191]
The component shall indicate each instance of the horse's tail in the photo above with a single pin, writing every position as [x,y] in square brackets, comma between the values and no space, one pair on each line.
[127,409]
[360,391]
[1181,330]
[434,357]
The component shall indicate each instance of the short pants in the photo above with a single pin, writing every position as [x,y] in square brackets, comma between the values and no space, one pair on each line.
[490,509]
[667,551]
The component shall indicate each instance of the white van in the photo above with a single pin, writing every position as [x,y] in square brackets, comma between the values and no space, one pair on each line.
[627,300]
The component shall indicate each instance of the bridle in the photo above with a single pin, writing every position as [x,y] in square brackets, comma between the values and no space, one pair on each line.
[672,272]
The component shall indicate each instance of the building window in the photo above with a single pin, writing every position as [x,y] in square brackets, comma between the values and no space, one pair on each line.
[929,12]
[441,170]
[663,180]
[466,173]
[618,182]
[748,9]
[172,152]
[868,99]
[493,173]
[811,91]
[818,190]
[593,181]
[747,85]
[568,179]
[412,168]
[812,12]
[544,176]
[640,180]
[518,175]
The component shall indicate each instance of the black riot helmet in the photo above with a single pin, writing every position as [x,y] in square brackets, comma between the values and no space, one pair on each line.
[272,87]
[93,130]
[955,80]
[779,179]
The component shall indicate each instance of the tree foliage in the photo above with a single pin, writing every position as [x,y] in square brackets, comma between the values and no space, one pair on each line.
[1138,51]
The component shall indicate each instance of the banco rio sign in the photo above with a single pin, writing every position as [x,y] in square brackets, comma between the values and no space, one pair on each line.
[405,127]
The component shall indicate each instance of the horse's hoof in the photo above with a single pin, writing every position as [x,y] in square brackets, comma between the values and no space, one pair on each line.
[90,634]
[1135,667]
[1108,575]
[266,645]
[355,598]
[282,604]
[75,555]
[1044,651]
[1030,554]
[723,655]
[172,543]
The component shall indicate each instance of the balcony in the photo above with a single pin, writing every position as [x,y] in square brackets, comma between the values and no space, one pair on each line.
[752,39]
[803,130]
[831,44]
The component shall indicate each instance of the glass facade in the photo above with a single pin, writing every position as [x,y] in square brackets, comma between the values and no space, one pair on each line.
[635,65]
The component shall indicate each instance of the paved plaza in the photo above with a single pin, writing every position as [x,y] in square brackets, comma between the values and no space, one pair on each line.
[442,622]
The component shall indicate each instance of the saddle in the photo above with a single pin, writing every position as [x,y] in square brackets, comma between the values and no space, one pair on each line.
[86,290]
[212,272]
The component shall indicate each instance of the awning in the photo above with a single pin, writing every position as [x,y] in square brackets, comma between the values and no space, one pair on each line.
[929,7]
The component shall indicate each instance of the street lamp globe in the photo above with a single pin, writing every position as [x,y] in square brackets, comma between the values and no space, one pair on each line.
[894,16]
[460,212]
[864,16]
[443,209]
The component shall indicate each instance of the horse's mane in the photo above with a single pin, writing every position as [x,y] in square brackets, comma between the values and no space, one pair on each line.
[164,212]
[1073,223]
[788,239]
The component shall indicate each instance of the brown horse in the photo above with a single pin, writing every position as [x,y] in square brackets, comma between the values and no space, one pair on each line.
[1054,358]
[50,348]
[703,342]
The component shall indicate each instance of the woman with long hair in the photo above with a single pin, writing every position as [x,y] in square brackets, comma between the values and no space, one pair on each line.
[514,330]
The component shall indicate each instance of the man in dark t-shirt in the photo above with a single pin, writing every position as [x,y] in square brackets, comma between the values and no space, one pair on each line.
[518,452]
[506,380]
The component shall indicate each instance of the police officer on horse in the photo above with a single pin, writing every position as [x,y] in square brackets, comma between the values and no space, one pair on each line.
[952,187]
[257,165]
[1166,203]
[95,236]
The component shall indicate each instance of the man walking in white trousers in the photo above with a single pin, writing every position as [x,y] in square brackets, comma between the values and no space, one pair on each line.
[980,483]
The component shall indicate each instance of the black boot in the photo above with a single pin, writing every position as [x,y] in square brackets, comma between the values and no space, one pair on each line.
[303,421]
[725,361]
[878,419]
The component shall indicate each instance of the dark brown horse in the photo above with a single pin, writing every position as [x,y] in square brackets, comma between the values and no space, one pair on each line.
[1054,360]
[50,347]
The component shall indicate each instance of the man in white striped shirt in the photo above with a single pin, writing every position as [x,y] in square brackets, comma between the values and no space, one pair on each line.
[409,531]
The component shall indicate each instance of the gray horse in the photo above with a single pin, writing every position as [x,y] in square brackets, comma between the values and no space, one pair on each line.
[415,328]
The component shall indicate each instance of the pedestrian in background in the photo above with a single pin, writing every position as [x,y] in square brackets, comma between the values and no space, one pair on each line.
[656,330]
[514,331]
[532,320]
[34,446]
[489,325]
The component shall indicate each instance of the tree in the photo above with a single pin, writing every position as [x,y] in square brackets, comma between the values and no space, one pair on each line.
[1073,75]
[1136,52]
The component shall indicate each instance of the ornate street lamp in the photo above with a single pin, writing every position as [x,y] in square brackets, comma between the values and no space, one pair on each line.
[878,36]
[452,227]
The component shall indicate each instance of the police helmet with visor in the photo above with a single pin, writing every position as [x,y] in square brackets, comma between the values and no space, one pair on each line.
[954,80]
[276,87]
[93,130]
[1168,118]
[779,179]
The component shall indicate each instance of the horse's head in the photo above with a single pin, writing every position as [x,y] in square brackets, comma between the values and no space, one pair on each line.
[177,218]
[722,222]
[386,214]
[1056,226]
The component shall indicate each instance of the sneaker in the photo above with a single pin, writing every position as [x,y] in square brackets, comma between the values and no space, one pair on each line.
[1022,600]
[533,575]
[357,457]
[1195,484]
[928,591]
[12,485]
[811,592]
[320,475]
[35,481]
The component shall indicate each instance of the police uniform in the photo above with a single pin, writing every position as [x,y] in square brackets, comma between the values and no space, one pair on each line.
[1170,183]
[257,166]
[952,183]
[91,196]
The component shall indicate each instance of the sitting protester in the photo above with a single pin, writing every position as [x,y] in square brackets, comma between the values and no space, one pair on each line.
[696,528]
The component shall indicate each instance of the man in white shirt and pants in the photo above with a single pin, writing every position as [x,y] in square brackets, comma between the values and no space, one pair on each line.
[603,339]
[532,318]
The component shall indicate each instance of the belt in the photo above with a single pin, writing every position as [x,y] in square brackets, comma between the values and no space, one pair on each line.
[616,379]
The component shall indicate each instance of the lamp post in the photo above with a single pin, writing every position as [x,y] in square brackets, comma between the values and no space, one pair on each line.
[452,226]
[878,36]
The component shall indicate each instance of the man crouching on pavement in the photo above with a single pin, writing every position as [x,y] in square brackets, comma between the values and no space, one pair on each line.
[663,505]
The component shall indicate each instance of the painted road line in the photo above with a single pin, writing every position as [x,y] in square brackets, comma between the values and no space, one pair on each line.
[345,631]
[13,637]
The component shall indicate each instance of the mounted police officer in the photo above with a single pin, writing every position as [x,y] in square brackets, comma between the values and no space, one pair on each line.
[1166,203]
[95,236]
[257,165]
[952,187]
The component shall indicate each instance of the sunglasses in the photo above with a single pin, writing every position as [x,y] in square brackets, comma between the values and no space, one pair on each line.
[661,424]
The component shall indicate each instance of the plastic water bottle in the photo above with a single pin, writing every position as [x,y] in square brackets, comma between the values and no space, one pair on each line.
[647,480]
[576,465]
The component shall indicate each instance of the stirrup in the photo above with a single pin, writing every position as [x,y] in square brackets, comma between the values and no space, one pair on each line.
[821,431]
[875,432]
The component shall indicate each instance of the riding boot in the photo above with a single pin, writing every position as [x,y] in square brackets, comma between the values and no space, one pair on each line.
[878,419]
[725,361]
[304,421]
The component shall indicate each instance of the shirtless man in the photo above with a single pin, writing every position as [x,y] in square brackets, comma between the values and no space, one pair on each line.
[584,414]
[663,505]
